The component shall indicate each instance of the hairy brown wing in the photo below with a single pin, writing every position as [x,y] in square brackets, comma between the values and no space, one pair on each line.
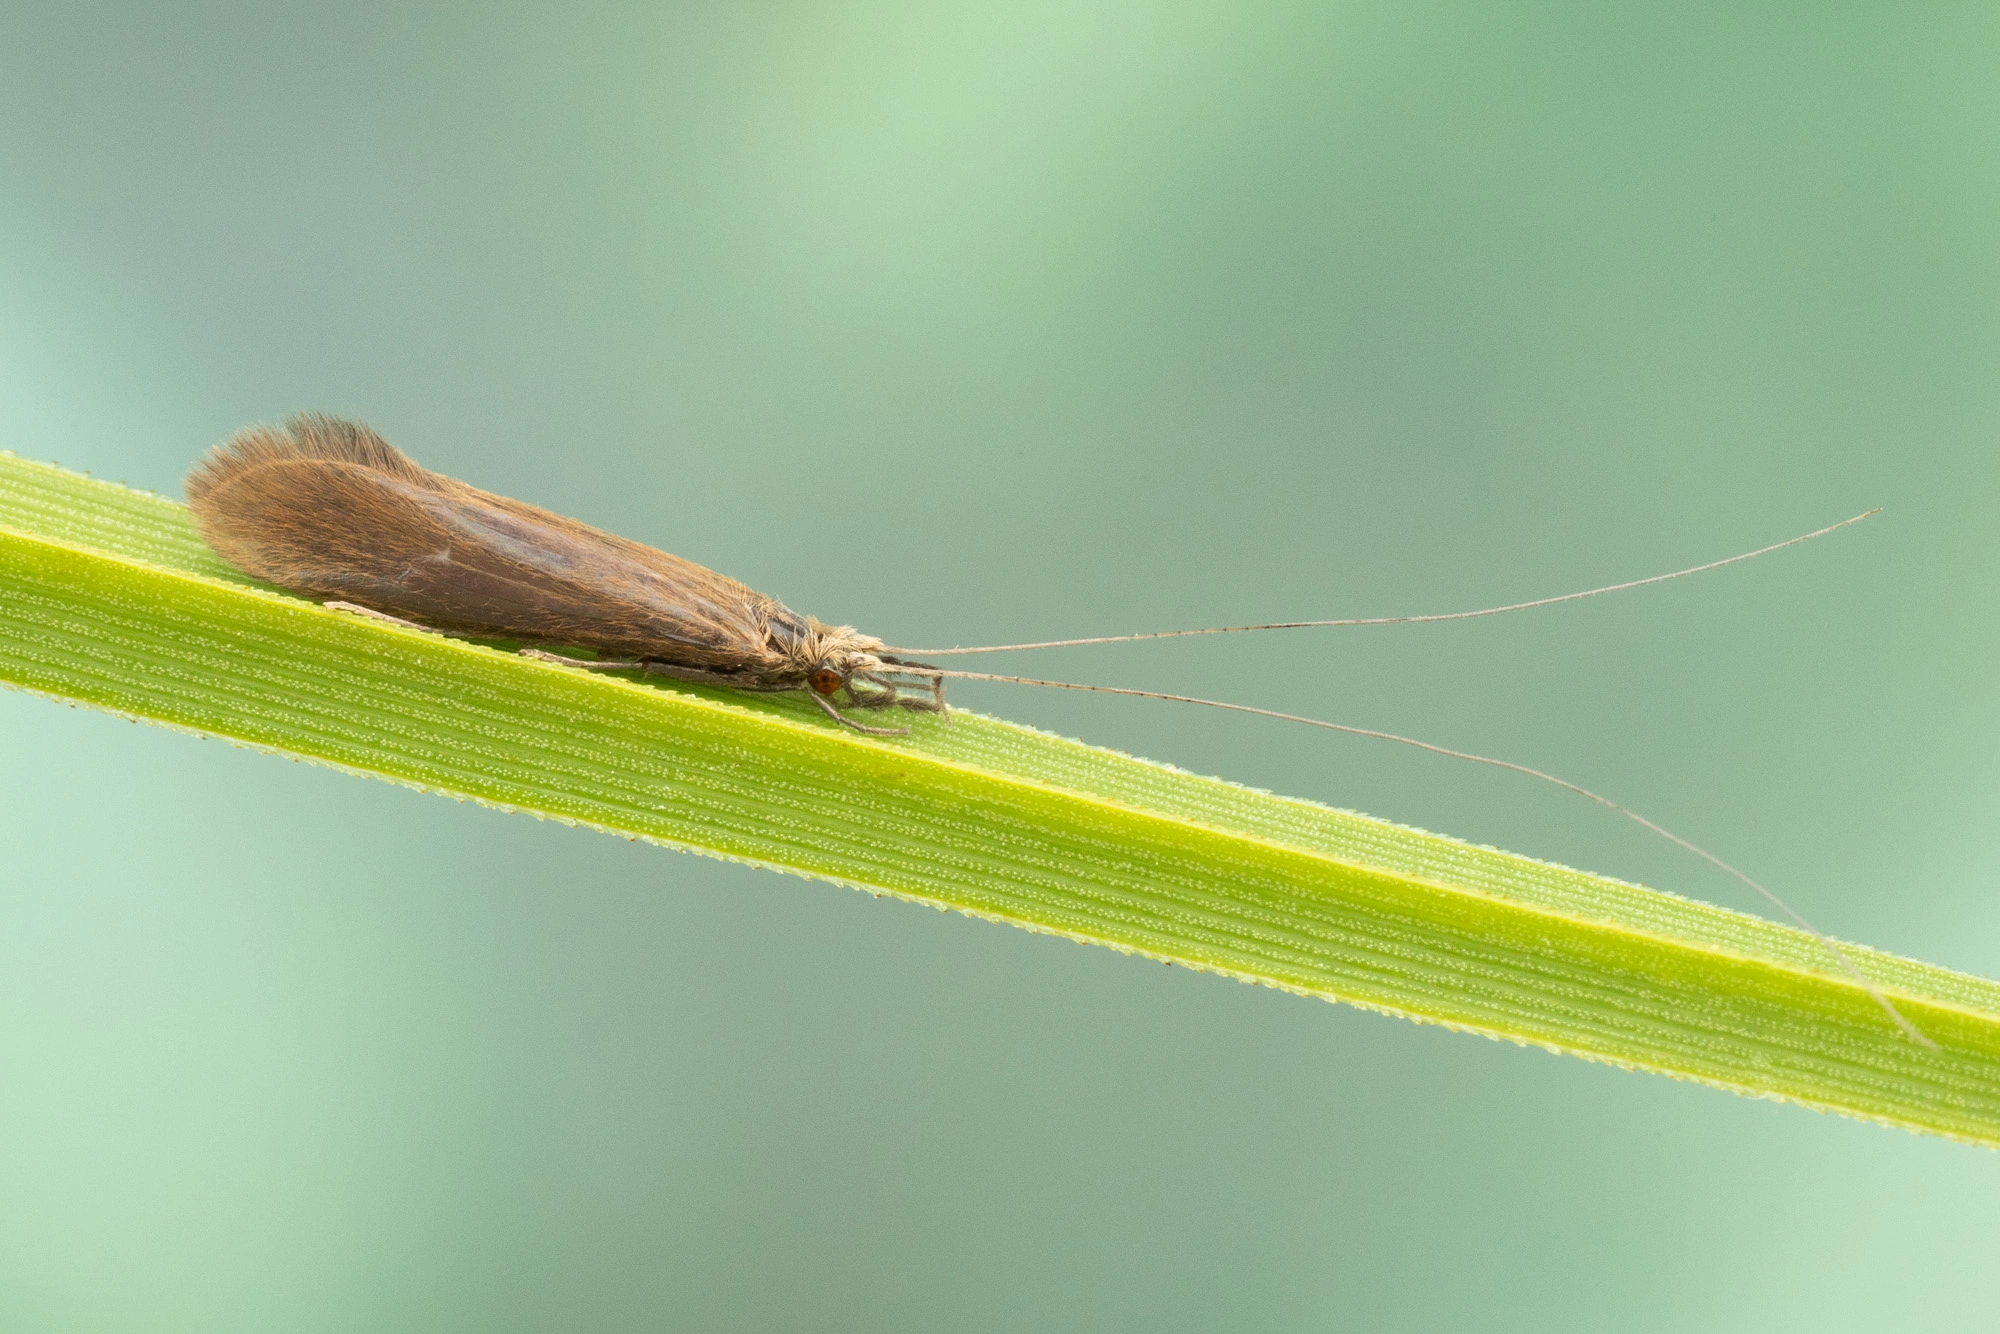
[327,507]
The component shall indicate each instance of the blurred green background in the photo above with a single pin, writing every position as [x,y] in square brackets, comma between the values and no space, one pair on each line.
[974,323]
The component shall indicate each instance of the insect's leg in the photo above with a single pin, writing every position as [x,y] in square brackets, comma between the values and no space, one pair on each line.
[891,698]
[897,674]
[356,609]
[588,664]
[702,678]
[932,701]
[836,715]
[869,699]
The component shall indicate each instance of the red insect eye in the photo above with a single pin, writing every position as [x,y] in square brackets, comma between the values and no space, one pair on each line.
[825,680]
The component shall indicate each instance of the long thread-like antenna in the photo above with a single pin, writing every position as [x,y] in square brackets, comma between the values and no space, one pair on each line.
[1390,620]
[1909,1030]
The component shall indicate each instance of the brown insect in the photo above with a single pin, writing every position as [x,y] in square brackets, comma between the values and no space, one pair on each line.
[328,508]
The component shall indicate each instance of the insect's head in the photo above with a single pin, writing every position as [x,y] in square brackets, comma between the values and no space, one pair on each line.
[837,661]
[842,666]
[836,657]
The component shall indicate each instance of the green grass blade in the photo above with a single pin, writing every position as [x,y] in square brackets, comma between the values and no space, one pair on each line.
[107,598]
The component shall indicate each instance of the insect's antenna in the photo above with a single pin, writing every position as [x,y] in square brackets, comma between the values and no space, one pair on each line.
[1396,620]
[1909,1029]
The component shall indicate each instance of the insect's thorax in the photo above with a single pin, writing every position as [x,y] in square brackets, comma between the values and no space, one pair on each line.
[804,645]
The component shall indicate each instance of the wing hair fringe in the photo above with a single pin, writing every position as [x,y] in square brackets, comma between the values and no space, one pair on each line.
[305,435]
